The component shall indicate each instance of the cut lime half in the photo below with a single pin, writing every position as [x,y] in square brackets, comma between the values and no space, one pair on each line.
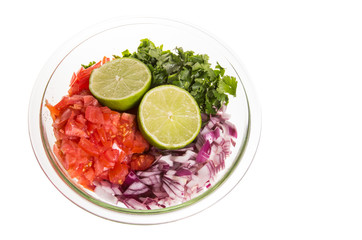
[120,83]
[169,117]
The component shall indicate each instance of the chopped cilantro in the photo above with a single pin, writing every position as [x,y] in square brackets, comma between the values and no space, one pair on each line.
[89,64]
[187,70]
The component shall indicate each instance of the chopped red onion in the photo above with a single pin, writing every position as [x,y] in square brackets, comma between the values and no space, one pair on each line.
[105,193]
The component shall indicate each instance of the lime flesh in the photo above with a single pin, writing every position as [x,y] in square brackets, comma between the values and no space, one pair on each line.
[169,117]
[120,83]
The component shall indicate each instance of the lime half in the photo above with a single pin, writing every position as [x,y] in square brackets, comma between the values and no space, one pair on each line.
[120,83]
[169,117]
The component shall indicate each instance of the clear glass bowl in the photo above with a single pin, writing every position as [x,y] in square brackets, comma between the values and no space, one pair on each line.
[113,37]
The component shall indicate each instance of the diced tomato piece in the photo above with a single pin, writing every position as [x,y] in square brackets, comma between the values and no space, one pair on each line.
[118,173]
[74,77]
[89,147]
[128,118]
[74,129]
[68,147]
[107,110]
[112,155]
[89,100]
[103,136]
[128,137]
[80,81]
[103,176]
[69,100]
[140,162]
[62,104]
[59,155]
[94,115]
[88,172]
[77,162]
[98,167]
[54,112]
[86,180]
[105,59]
[105,163]
[91,127]
[109,158]
[59,122]
[140,144]
[57,151]
[127,129]
[81,119]
[115,117]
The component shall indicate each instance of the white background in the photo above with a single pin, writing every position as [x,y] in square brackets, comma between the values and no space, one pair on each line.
[305,61]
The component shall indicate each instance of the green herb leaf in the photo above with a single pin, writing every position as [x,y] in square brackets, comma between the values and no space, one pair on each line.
[89,65]
[227,85]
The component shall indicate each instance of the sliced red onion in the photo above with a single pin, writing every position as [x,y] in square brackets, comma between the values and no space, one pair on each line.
[151,180]
[116,190]
[174,188]
[130,179]
[165,161]
[204,153]
[107,186]
[152,203]
[231,129]
[134,204]
[136,189]
[212,135]
[105,194]
[183,172]
[154,170]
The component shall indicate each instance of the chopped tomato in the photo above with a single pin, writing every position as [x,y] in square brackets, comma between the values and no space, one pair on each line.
[140,162]
[89,147]
[127,118]
[109,158]
[89,173]
[54,112]
[118,173]
[75,129]
[103,137]
[80,81]
[140,144]
[127,129]
[89,100]
[99,168]
[96,143]
[87,178]
[94,115]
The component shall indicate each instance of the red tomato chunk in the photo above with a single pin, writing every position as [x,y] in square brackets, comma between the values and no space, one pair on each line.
[95,143]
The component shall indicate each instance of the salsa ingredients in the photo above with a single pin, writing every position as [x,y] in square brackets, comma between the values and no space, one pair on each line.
[95,143]
[120,83]
[192,72]
[177,175]
[106,152]
[169,117]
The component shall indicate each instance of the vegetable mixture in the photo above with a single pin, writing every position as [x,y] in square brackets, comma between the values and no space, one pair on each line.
[105,151]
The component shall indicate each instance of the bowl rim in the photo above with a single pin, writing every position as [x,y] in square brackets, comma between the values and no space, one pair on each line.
[94,206]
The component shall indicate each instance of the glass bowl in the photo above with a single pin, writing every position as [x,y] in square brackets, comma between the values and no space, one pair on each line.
[111,38]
